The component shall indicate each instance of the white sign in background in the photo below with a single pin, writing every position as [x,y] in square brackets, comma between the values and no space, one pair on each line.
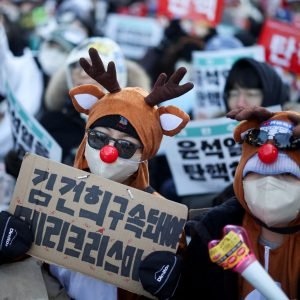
[203,157]
[29,134]
[210,71]
[134,34]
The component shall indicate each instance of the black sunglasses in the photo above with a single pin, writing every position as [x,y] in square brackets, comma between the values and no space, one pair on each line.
[98,140]
[283,141]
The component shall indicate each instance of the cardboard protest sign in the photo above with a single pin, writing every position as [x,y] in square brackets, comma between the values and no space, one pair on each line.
[203,156]
[93,225]
[282,45]
[28,133]
[209,11]
[134,34]
[210,71]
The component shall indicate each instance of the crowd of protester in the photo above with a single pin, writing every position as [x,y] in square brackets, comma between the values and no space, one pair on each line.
[41,43]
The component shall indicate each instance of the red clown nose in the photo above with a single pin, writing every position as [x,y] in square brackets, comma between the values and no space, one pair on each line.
[109,154]
[267,153]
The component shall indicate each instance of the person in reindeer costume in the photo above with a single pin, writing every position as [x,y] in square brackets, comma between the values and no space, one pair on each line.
[267,203]
[124,130]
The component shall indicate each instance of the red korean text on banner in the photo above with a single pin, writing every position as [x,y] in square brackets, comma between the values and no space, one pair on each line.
[209,11]
[282,45]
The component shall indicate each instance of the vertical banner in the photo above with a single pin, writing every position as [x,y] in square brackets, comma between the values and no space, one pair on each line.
[282,45]
[93,225]
[28,133]
[209,11]
[203,156]
[210,71]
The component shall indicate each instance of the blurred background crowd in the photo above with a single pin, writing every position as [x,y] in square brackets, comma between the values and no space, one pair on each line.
[41,42]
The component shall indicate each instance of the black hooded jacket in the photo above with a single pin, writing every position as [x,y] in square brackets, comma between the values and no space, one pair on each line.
[274,90]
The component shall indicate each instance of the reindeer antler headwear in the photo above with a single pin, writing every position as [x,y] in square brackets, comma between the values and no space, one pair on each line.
[254,118]
[136,105]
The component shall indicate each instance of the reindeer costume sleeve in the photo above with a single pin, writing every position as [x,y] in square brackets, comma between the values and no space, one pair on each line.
[136,105]
[284,261]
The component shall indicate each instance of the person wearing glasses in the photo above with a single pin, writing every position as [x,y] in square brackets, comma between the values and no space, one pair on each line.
[266,204]
[57,102]
[251,83]
[124,129]
[116,139]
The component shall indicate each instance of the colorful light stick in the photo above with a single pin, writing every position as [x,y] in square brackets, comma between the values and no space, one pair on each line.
[235,252]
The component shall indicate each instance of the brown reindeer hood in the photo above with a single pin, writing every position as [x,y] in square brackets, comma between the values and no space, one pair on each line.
[255,117]
[136,105]
[283,262]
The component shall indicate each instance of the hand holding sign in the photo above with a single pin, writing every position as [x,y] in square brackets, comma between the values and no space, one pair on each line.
[234,252]
[93,225]
[15,237]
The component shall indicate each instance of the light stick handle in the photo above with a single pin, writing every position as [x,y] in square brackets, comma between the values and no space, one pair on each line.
[256,275]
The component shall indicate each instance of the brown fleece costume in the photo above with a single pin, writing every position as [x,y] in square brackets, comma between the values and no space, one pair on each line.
[284,264]
[137,106]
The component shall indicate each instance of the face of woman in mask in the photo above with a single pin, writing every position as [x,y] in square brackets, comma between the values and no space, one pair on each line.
[51,57]
[112,154]
[275,200]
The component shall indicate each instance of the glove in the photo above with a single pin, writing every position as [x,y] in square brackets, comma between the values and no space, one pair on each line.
[159,273]
[15,237]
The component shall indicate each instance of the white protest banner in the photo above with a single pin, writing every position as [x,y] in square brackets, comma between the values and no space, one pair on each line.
[203,157]
[210,70]
[91,224]
[134,34]
[28,133]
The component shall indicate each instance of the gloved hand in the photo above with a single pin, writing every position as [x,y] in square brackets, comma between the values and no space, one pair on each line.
[15,237]
[160,272]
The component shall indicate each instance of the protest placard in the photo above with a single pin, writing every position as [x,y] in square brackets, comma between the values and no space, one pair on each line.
[282,43]
[29,135]
[134,34]
[91,224]
[209,11]
[210,70]
[203,157]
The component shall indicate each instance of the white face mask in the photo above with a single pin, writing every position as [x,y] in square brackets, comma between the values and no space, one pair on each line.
[273,200]
[51,59]
[117,171]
